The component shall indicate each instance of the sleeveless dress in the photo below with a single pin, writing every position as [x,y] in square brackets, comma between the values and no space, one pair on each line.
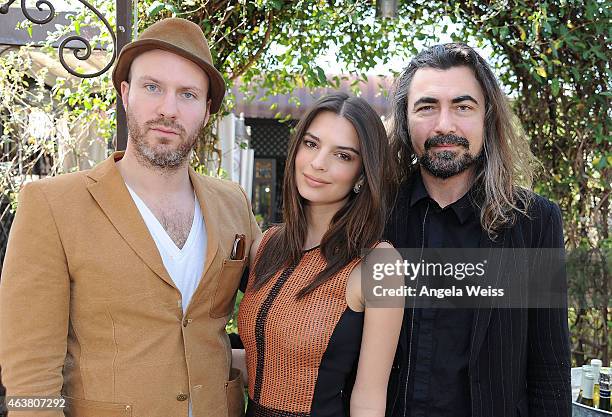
[301,355]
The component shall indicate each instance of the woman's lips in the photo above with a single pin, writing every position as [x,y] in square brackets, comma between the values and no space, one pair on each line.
[314,182]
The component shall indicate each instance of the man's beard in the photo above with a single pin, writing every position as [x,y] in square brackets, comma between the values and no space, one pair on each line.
[159,156]
[445,164]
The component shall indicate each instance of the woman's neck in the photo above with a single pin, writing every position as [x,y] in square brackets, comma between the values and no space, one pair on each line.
[319,218]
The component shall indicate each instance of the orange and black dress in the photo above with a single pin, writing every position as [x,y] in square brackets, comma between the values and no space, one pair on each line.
[301,354]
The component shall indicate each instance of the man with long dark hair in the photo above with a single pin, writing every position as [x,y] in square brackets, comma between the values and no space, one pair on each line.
[465,171]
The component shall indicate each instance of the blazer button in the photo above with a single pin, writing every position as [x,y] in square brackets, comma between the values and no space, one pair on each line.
[181,397]
[186,322]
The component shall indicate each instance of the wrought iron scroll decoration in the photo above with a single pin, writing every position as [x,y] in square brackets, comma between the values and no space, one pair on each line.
[78,52]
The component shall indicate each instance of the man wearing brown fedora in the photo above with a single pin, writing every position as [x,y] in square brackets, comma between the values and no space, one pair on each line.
[118,281]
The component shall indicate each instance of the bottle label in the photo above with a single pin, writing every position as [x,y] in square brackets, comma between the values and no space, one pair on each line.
[604,393]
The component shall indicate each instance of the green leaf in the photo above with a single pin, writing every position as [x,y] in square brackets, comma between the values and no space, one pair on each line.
[277,4]
[171,8]
[541,71]
[77,27]
[155,8]
[555,87]
[321,75]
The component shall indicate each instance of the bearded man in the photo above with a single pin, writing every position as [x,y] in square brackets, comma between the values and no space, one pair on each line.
[466,169]
[118,281]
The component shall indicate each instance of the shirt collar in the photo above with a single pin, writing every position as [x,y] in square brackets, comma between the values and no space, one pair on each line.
[419,192]
[464,208]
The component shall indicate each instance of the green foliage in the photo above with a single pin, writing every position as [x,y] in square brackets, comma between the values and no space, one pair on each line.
[275,45]
[42,126]
[232,324]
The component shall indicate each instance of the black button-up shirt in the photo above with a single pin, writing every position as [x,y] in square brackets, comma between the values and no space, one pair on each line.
[439,339]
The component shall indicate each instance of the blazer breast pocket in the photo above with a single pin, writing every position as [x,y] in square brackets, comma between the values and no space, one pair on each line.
[227,285]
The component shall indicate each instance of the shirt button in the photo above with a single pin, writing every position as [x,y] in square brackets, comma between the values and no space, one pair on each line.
[181,397]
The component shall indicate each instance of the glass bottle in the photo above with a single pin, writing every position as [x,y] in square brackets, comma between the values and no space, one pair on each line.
[605,378]
[587,389]
[585,369]
[596,366]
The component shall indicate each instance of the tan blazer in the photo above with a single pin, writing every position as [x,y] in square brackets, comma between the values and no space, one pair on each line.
[87,308]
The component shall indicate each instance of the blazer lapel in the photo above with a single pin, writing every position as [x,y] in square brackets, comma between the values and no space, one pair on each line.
[209,204]
[482,314]
[113,197]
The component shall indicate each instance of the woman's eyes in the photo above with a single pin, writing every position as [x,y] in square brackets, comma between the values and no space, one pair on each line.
[309,143]
[344,156]
[313,145]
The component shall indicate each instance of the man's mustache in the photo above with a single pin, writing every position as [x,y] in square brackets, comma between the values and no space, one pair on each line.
[446,140]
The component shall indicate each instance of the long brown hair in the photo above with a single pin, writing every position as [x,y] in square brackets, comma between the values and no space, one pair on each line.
[506,172]
[359,223]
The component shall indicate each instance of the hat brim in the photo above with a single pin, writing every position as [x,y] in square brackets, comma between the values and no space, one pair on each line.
[216,88]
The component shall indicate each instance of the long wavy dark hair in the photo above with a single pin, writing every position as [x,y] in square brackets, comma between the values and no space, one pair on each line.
[359,224]
[506,173]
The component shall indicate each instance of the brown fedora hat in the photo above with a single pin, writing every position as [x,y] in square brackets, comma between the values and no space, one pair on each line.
[178,36]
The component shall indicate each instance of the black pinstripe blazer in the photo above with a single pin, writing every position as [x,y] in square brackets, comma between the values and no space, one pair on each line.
[519,358]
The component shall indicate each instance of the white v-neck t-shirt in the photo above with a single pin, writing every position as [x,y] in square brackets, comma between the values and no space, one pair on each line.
[185,265]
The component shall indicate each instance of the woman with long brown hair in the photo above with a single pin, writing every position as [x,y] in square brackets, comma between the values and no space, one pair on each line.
[313,347]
